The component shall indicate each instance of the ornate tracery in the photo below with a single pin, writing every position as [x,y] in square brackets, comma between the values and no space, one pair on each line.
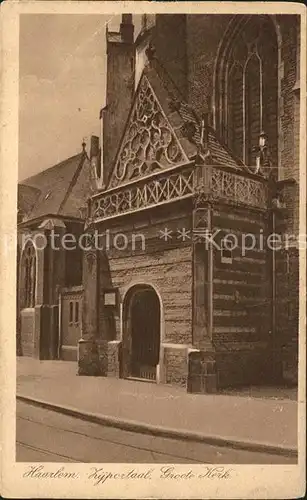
[247,87]
[149,144]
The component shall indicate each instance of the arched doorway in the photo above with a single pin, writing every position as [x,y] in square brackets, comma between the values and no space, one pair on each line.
[141,333]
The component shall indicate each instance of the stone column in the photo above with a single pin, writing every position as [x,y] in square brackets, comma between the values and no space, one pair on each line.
[202,364]
[202,270]
[88,353]
[107,345]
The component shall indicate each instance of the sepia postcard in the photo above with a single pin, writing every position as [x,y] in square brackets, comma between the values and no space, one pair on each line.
[153,250]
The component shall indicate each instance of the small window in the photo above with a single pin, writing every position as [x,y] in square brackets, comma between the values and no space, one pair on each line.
[76,312]
[71,312]
[226,253]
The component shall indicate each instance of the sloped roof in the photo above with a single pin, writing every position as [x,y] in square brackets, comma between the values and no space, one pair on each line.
[157,111]
[166,91]
[27,197]
[60,190]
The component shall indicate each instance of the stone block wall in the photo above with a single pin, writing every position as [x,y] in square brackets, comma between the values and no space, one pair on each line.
[169,38]
[175,365]
[166,265]
[102,350]
[241,287]
[114,368]
[27,325]
[91,358]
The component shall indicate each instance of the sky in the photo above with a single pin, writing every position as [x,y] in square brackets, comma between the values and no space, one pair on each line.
[62,74]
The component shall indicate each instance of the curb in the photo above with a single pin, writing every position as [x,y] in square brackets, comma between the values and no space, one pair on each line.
[155,430]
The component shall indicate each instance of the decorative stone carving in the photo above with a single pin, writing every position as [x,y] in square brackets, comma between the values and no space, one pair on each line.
[89,224]
[91,258]
[201,218]
[239,189]
[149,144]
[202,202]
[89,228]
[183,183]
[203,197]
[141,195]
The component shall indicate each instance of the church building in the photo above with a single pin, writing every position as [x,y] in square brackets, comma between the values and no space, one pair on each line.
[49,265]
[189,206]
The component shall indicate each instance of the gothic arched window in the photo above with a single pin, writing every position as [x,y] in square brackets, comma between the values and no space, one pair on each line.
[28,264]
[247,87]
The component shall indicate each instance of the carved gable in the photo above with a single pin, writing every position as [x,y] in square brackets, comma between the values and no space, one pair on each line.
[149,144]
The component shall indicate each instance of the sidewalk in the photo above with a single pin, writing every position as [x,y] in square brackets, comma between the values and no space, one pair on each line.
[251,422]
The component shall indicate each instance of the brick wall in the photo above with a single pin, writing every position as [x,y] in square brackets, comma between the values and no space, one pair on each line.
[240,292]
[169,39]
[120,87]
[244,367]
[287,310]
[288,28]
[289,110]
[204,33]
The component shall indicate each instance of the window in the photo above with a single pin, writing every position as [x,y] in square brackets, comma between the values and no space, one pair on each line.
[71,312]
[74,313]
[226,252]
[77,312]
[247,87]
[29,268]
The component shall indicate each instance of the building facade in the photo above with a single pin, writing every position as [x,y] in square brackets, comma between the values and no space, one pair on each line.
[49,264]
[196,168]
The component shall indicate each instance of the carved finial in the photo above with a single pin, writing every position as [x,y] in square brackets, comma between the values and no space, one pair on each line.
[150,52]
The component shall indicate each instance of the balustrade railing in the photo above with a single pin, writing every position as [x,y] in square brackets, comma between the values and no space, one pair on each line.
[180,183]
[240,189]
